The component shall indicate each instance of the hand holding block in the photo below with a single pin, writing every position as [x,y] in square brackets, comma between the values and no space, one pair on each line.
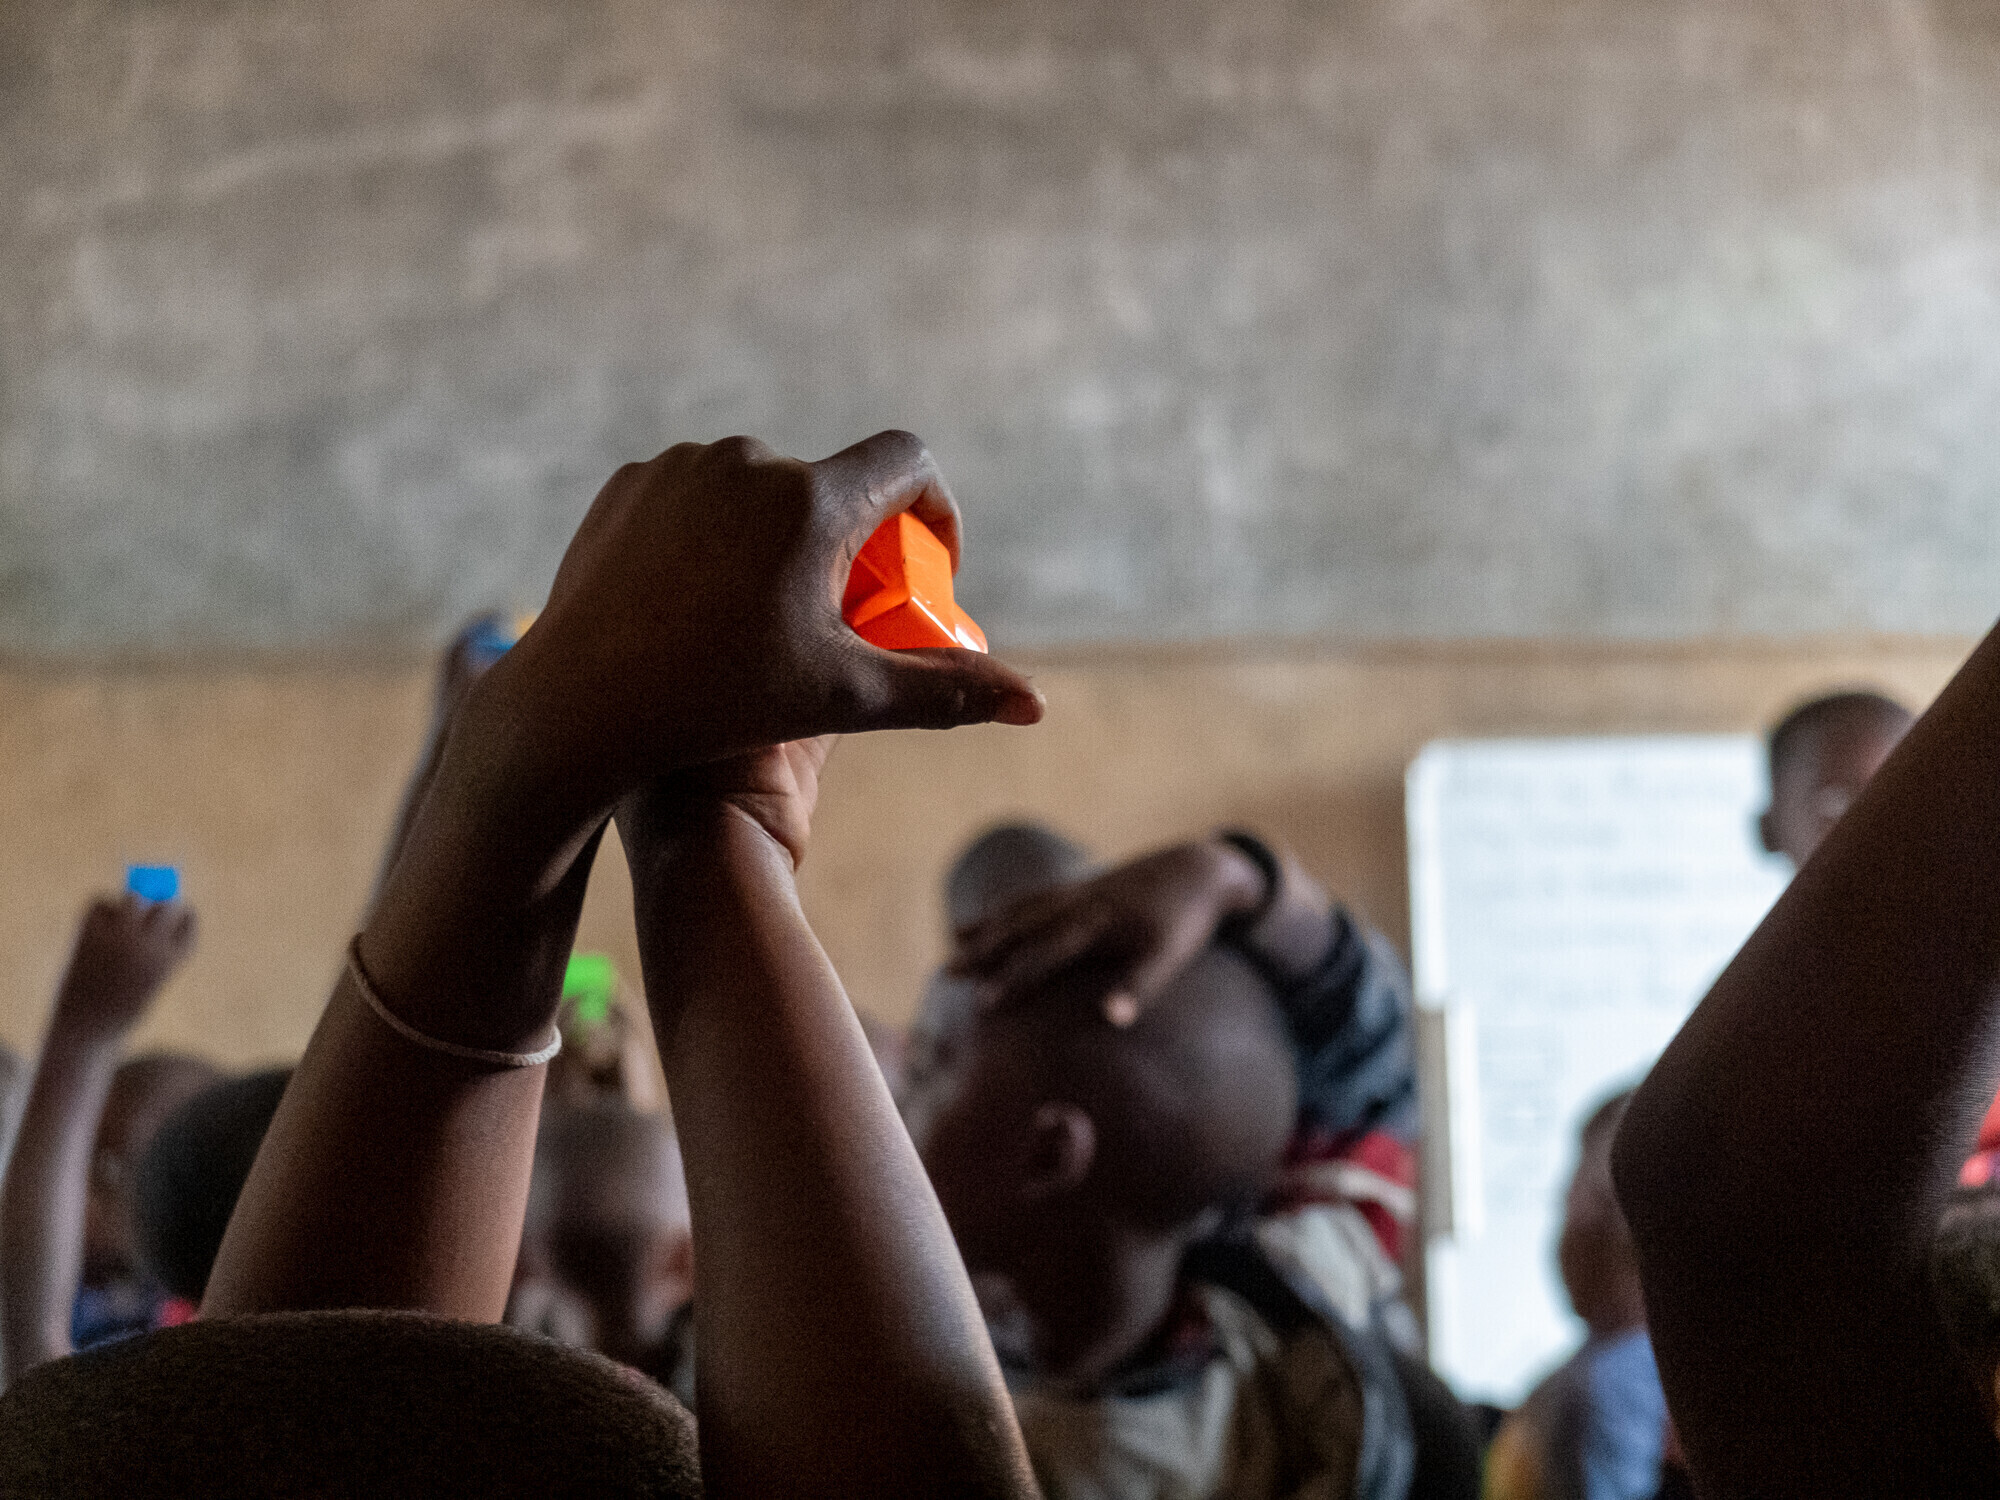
[899,594]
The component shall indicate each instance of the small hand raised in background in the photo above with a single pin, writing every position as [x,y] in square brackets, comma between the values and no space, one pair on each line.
[480,642]
[1131,929]
[126,949]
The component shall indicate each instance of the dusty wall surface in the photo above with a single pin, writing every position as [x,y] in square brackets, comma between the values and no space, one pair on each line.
[274,791]
[1386,318]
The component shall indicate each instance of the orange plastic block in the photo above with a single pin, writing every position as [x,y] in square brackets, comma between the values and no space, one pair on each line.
[899,594]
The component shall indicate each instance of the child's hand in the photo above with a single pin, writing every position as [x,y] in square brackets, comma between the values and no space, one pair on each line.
[125,950]
[467,659]
[1135,927]
[697,616]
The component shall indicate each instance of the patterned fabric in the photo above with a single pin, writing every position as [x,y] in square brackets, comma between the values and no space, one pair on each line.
[1350,1021]
[1335,1254]
[1264,1417]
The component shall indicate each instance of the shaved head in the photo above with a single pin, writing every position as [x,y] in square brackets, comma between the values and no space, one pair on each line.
[606,1165]
[1190,1107]
[144,1092]
[607,1249]
[1823,753]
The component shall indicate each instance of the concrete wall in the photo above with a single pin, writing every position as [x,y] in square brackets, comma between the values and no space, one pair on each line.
[1379,318]
[274,790]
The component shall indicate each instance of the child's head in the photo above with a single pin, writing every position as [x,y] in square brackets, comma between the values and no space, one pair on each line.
[193,1172]
[1600,1268]
[607,1252]
[1006,863]
[1822,754]
[144,1092]
[1063,1147]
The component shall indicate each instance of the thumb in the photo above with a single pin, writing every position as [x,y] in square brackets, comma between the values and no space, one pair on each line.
[934,688]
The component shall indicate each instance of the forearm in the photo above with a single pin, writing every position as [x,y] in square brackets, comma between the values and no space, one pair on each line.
[1291,934]
[394,1175]
[413,798]
[841,1349]
[1787,1157]
[48,1179]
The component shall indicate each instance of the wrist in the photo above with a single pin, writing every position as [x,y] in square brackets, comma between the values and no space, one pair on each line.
[677,848]
[1287,933]
[704,876]
[1248,876]
[508,776]
[498,824]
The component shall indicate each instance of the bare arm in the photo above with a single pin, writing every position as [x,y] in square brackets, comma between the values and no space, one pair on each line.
[695,617]
[470,655]
[841,1350]
[1784,1164]
[125,951]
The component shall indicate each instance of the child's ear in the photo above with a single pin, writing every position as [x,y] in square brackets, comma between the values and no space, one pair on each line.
[1062,1145]
[1767,831]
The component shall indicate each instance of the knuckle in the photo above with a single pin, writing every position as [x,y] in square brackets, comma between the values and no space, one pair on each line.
[737,452]
[904,445]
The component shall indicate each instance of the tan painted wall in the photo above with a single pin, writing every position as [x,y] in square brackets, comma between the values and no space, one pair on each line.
[272,788]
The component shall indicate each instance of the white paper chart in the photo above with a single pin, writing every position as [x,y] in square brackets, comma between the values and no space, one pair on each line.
[1571,900]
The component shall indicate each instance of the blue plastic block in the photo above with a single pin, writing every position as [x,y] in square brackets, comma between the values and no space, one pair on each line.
[153,882]
[493,640]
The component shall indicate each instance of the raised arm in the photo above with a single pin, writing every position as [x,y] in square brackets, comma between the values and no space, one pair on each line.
[696,617]
[471,652]
[1784,1164]
[125,950]
[834,1313]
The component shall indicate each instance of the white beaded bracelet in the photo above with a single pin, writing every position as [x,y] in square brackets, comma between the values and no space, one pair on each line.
[410,1033]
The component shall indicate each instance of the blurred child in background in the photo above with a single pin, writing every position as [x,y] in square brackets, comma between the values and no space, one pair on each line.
[190,1177]
[607,1053]
[607,1251]
[1125,1072]
[70,1270]
[1822,754]
[1596,1428]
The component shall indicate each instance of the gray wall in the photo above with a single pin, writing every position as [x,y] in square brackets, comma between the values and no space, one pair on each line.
[321,319]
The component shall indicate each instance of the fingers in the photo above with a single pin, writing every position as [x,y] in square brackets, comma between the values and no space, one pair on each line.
[986,942]
[170,924]
[738,450]
[1039,957]
[939,688]
[882,476]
